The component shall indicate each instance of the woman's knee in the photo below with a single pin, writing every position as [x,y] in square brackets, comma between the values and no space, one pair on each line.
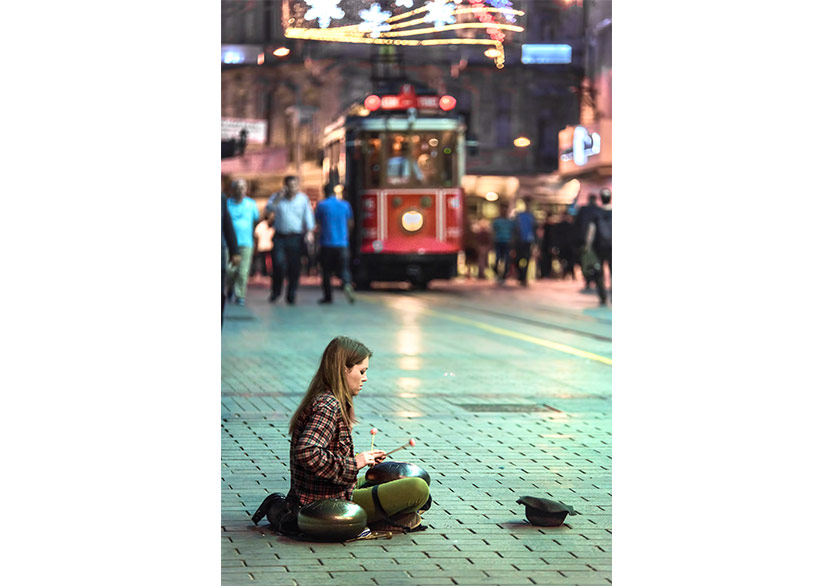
[417,489]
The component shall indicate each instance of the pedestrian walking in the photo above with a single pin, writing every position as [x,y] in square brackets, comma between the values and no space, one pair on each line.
[484,241]
[584,253]
[244,213]
[322,460]
[566,247]
[290,214]
[470,250]
[264,248]
[548,247]
[228,250]
[524,238]
[502,241]
[335,221]
[599,239]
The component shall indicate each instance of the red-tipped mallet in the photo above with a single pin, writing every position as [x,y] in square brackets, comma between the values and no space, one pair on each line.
[373,433]
[411,442]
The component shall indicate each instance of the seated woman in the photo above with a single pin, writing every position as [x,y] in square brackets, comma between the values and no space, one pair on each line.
[322,460]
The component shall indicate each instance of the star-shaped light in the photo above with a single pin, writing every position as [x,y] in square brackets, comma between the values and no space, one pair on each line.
[374,20]
[324,11]
[405,3]
[439,12]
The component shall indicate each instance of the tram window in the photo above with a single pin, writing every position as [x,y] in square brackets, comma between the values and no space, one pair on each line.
[435,155]
[448,153]
[401,168]
[424,159]
[371,150]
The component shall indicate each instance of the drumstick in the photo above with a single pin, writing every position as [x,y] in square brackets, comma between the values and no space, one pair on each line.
[373,433]
[411,442]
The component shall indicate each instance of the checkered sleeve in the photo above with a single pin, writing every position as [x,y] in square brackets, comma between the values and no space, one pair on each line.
[321,448]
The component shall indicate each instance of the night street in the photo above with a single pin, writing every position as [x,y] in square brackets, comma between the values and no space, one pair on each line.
[507,392]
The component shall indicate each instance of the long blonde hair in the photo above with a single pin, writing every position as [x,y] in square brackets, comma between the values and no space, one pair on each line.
[340,353]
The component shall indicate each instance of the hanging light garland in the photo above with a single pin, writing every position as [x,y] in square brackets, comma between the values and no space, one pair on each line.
[380,26]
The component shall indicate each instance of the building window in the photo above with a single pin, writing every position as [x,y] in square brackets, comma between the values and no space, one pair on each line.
[503,134]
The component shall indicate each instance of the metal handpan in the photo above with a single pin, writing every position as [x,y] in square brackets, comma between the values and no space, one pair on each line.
[545,512]
[388,471]
[332,520]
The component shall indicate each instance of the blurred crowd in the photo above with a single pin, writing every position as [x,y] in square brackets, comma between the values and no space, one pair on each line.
[288,239]
[515,246]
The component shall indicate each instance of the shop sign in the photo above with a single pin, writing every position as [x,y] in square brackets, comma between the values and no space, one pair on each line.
[583,146]
[230,128]
[545,54]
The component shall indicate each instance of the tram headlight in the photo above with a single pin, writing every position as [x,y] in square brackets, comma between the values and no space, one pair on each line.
[372,102]
[446,103]
[412,221]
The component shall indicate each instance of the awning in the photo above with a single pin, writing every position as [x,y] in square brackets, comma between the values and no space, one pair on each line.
[272,160]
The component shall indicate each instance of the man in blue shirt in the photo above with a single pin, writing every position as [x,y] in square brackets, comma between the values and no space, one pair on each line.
[289,212]
[525,233]
[335,220]
[244,213]
[502,239]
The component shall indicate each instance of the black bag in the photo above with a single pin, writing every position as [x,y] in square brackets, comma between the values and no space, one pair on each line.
[282,514]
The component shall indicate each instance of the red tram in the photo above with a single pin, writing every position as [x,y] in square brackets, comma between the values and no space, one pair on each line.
[400,159]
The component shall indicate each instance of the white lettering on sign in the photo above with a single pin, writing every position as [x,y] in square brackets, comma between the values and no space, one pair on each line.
[390,102]
[427,102]
[230,128]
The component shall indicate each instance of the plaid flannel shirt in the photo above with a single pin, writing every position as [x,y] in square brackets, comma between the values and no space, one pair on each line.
[322,463]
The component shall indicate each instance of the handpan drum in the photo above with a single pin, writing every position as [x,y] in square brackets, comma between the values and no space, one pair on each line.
[388,471]
[332,520]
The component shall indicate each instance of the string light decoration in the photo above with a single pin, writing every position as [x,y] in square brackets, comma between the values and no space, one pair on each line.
[486,17]
[435,22]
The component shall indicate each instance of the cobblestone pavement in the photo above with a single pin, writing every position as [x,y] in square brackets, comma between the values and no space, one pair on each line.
[484,379]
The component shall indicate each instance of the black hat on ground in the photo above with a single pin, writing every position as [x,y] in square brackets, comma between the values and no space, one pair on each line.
[545,512]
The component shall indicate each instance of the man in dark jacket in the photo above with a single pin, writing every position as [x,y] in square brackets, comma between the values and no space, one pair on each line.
[584,218]
[599,238]
[565,244]
[525,236]
[228,247]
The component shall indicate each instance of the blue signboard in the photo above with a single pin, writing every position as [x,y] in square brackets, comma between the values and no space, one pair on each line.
[240,54]
[546,54]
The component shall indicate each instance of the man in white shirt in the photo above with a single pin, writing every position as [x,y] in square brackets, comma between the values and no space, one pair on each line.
[290,214]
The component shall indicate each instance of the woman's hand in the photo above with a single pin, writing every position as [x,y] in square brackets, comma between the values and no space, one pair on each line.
[370,458]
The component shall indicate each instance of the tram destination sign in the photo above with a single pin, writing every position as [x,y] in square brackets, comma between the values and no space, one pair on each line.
[408,98]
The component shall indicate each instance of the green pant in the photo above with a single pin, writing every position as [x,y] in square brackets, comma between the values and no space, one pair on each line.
[405,495]
[237,276]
